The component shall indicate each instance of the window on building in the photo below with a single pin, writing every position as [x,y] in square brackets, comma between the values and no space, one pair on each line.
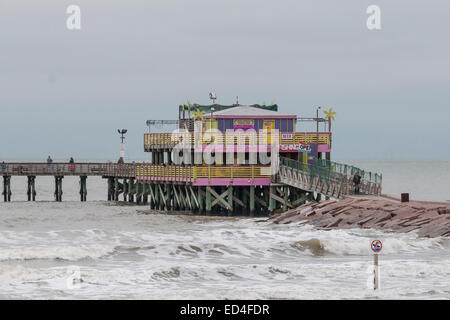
[290,125]
[284,125]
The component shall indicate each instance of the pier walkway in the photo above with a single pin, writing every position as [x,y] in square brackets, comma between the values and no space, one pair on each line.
[59,170]
[239,188]
[328,178]
[123,170]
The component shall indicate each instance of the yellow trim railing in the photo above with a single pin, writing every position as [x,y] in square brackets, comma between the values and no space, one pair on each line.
[195,172]
[168,140]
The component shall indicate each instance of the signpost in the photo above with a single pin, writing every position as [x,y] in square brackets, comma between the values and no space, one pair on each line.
[376,247]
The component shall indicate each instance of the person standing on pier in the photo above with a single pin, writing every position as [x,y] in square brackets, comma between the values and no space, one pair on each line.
[357,182]
[49,164]
[72,164]
[3,166]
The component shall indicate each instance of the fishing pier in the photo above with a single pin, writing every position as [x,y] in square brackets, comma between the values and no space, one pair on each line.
[231,160]
[111,172]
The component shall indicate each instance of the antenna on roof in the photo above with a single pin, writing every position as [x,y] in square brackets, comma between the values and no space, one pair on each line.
[237,100]
[212,96]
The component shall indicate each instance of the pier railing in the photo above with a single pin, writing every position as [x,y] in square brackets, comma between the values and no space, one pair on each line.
[170,140]
[136,170]
[348,170]
[327,177]
[67,169]
[193,173]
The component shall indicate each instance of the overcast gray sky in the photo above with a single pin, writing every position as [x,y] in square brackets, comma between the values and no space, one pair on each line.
[65,92]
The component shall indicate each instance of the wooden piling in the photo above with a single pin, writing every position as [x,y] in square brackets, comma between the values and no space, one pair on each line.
[200,199]
[131,190]
[111,191]
[138,187]
[168,198]
[83,188]
[116,189]
[157,199]
[272,202]
[144,193]
[252,200]
[208,201]
[58,188]
[7,188]
[230,200]
[152,196]
[31,190]
[125,189]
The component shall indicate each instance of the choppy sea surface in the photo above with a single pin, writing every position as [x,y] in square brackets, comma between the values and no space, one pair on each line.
[99,250]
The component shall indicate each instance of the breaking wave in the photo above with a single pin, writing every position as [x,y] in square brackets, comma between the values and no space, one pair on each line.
[313,245]
[70,253]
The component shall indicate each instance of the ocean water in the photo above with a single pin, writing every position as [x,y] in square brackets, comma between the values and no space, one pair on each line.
[99,250]
[422,179]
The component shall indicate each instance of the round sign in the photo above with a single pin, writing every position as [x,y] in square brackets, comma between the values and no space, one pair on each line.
[376,246]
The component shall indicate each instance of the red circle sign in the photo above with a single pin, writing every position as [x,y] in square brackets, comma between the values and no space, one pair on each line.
[376,246]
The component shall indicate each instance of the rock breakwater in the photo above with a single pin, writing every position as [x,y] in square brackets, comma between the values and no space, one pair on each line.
[428,219]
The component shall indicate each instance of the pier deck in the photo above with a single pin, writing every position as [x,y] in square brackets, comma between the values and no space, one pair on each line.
[124,170]
[112,171]
[238,189]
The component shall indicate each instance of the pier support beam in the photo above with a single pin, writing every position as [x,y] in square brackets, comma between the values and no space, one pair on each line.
[272,202]
[165,196]
[200,198]
[157,197]
[7,188]
[183,201]
[31,189]
[169,196]
[83,188]
[58,188]
[262,200]
[208,200]
[116,189]
[285,198]
[145,193]
[252,200]
[161,200]
[131,190]
[140,192]
[194,200]
[125,189]
[111,189]
[176,198]
[152,196]
[230,200]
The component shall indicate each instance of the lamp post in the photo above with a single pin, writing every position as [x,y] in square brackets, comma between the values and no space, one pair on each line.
[122,145]
[213,97]
[317,132]
[211,121]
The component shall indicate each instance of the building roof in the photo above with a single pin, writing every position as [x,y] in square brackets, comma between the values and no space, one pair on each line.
[248,112]
[219,107]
